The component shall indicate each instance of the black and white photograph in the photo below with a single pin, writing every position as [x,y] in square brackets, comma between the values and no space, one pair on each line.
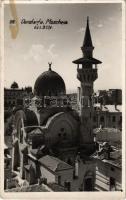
[63,97]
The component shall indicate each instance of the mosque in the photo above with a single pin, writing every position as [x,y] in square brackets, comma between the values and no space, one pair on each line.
[53,142]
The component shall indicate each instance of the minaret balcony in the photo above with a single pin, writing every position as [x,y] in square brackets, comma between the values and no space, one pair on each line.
[87,75]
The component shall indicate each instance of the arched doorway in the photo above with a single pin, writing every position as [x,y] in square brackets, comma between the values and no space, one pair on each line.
[88,186]
[89,181]
[33,179]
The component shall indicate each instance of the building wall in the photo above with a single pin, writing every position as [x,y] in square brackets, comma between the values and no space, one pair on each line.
[103,173]
[14,97]
[117,123]
[84,168]
[66,176]
[7,167]
[45,173]
[115,96]
[68,155]
[33,171]
[61,128]
[60,177]
[108,136]
[107,119]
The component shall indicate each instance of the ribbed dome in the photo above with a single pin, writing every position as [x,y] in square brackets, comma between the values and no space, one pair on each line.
[49,83]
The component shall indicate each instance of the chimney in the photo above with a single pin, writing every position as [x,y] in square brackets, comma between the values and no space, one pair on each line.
[101,105]
[107,150]
[76,168]
[100,126]
[76,174]
[107,154]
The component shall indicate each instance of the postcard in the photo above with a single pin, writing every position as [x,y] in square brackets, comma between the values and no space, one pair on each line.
[62,99]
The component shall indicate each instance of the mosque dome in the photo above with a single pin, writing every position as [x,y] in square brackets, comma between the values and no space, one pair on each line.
[49,83]
[14,85]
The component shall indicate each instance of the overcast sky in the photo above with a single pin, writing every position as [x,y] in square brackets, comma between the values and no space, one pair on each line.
[27,56]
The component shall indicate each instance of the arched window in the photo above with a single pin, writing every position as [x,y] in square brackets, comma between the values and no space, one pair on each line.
[88,77]
[112,184]
[59,180]
[59,134]
[62,134]
[67,185]
[102,119]
[114,118]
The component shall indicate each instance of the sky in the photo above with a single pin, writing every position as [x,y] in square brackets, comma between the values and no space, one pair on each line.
[27,56]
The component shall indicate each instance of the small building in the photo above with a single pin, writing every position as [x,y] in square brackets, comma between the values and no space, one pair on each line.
[107,116]
[115,96]
[56,171]
[52,171]
[111,96]
[14,95]
[108,169]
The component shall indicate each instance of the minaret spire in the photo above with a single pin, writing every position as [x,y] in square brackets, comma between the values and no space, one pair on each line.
[87,47]
[87,39]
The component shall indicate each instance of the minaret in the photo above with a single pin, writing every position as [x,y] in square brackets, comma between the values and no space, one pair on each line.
[87,74]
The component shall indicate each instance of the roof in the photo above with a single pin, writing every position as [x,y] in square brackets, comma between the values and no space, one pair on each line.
[112,135]
[34,152]
[54,164]
[50,119]
[5,146]
[107,130]
[56,188]
[37,152]
[114,160]
[109,108]
[35,132]
[24,148]
[84,60]
[7,156]
[32,156]
[116,154]
[30,188]
[27,167]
